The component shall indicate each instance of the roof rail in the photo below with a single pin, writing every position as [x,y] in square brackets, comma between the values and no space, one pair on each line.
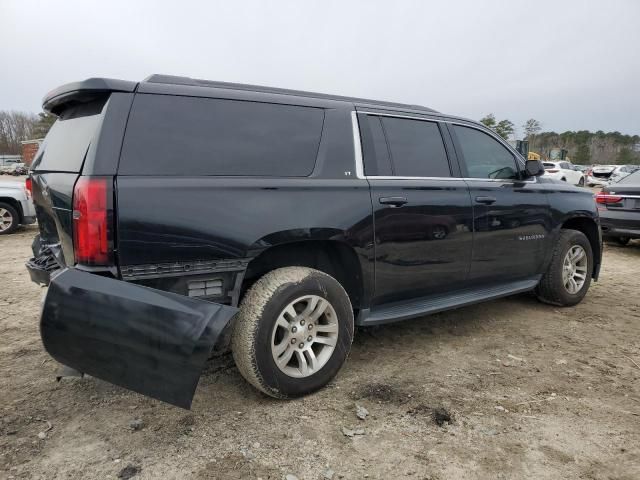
[176,80]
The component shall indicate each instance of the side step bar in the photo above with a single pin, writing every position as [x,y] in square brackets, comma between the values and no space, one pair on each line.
[397,311]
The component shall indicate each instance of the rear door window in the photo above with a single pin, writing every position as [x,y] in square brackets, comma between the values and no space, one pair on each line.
[187,136]
[66,144]
[416,148]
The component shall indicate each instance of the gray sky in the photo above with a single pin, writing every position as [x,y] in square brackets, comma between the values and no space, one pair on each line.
[570,64]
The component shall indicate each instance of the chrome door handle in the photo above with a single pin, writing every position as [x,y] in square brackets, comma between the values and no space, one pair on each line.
[486,200]
[393,201]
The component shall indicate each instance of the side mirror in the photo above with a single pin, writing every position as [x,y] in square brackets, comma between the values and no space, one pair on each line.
[533,168]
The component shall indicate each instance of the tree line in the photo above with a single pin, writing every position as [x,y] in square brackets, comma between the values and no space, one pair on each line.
[584,147]
[15,127]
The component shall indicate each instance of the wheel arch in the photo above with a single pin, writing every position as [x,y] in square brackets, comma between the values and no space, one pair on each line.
[591,230]
[15,204]
[332,257]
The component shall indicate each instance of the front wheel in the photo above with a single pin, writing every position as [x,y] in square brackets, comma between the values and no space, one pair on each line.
[568,277]
[293,332]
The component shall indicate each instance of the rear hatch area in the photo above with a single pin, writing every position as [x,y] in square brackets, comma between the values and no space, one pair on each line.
[55,169]
[148,340]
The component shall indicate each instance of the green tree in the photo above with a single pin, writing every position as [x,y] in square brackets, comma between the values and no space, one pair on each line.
[626,156]
[583,155]
[489,121]
[505,128]
[43,124]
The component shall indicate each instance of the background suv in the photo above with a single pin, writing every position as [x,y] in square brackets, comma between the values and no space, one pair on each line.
[564,171]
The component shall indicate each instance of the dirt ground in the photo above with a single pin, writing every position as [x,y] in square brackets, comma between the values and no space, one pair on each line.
[533,391]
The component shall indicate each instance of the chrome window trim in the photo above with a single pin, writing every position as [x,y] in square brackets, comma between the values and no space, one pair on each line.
[357,145]
[613,194]
[359,161]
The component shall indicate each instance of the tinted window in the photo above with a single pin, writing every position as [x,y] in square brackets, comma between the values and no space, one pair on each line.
[416,148]
[170,135]
[374,146]
[484,156]
[66,144]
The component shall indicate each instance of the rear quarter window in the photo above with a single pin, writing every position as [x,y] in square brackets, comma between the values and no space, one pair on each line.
[188,136]
[66,144]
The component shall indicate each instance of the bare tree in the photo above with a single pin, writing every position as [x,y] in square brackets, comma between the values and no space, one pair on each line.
[14,128]
[531,128]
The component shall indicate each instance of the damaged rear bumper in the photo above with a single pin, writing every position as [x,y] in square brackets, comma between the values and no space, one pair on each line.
[149,341]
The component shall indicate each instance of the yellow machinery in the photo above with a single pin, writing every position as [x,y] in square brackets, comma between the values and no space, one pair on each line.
[533,156]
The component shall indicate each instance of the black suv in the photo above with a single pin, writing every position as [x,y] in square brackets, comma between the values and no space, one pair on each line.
[181,217]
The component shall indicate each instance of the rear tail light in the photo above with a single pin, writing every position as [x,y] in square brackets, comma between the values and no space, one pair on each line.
[605,198]
[589,171]
[92,221]
[553,170]
[28,185]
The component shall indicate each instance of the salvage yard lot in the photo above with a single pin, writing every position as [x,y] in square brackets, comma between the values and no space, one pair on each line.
[533,390]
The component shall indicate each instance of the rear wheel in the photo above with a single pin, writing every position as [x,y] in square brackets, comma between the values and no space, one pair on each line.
[8,219]
[581,182]
[568,277]
[293,332]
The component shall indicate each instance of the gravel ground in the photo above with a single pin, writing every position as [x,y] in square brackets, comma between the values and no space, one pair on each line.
[507,389]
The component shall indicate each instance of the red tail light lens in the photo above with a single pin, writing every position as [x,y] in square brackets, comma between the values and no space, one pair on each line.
[553,170]
[28,184]
[605,198]
[92,235]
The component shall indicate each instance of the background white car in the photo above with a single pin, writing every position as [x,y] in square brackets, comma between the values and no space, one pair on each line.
[622,171]
[564,171]
[599,175]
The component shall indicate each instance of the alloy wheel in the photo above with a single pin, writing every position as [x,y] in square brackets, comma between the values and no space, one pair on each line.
[304,336]
[574,269]
[6,219]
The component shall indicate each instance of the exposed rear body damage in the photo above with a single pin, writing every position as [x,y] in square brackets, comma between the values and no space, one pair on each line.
[152,342]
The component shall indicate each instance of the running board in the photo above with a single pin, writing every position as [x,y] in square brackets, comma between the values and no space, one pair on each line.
[394,312]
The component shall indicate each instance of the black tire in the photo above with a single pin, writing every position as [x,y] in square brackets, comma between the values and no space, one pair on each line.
[551,288]
[259,310]
[581,182]
[11,214]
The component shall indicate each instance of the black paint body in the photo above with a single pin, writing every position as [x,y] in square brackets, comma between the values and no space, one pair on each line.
[170,230]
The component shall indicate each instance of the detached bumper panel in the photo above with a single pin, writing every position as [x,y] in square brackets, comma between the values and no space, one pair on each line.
[149,341]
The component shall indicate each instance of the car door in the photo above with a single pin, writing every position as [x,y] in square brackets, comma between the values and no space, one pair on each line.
[421,207]
[511,216]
